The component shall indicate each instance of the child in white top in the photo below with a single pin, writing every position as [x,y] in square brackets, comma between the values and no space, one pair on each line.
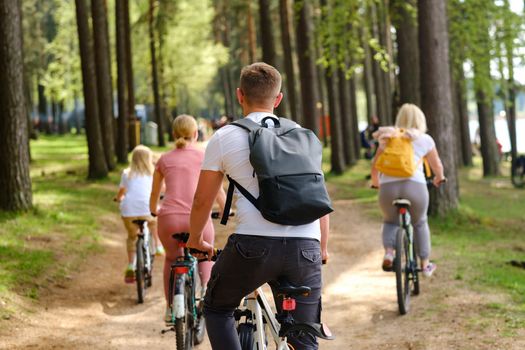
[133,195]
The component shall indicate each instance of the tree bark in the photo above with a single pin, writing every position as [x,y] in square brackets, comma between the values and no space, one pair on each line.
[288,61]
[368,79]
[104,82]
[15,180]
[337,156]
[346,118]
[487,134]
[436,99]
[307,70]
[354,118]
[378,74]
[252,37]
[155,77]
[122,85]
[460,89]
[129,78]
[97,161]
[407,54]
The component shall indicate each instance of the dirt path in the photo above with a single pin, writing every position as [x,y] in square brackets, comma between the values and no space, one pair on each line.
[96,310]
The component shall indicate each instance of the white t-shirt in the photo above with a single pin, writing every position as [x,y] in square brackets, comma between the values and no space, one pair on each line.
[138,191]
[422,145]
[228,152]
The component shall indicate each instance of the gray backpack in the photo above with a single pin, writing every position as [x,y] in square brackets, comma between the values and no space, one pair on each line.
[287,162]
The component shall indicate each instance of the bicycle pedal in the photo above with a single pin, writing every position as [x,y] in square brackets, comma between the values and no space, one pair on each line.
[164,331]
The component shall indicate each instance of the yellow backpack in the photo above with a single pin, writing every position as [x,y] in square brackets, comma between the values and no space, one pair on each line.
[397,158]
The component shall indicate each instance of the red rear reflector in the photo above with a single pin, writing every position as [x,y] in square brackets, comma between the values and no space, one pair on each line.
[289,304]
[181,269]
[402,210]
[182,245]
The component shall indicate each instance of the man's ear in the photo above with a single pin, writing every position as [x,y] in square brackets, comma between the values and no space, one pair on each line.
[278,100]
[240,95]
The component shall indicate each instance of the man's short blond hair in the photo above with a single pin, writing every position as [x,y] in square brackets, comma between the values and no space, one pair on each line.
[411,116]
[260,83]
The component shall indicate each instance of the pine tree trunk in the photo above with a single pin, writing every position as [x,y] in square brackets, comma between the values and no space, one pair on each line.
[97,160]
[407,54]
[252,37]
[436,99]
[354,118]
[289,77]
[385,39]
[336,143]
[15,180]
[132,142]
[104,82]
[346,118]
[307,70]
[154,73]
[378,74]
[487,134]
[122,85]
[368,79]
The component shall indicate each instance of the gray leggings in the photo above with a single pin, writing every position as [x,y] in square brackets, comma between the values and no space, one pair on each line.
[417,193]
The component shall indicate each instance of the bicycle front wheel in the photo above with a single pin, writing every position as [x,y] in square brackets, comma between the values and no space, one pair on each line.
[140,269]
[245,331]
[401,267]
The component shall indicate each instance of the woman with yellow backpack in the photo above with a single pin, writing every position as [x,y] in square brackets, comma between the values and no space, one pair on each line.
[398,172]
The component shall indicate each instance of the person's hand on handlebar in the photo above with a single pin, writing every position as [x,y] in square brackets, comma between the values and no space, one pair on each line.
[202,246]
[439,180]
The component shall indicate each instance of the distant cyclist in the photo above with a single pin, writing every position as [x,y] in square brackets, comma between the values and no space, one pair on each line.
[133,195]
[179,169]
[412,120]
[259,251]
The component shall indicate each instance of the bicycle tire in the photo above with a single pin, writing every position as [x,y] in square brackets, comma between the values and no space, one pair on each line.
[184,334]
[140,268]
[245,331]
[415,275]
[517,174]
[401,269]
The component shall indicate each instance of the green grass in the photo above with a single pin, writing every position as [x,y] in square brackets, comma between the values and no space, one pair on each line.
[45,243]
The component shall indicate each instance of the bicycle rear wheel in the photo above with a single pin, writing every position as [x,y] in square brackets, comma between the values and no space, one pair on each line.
[401,267]
[184,331]
[140,270]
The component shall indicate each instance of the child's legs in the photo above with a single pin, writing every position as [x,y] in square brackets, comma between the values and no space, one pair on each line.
[167,226]
[205,267]
[132,230]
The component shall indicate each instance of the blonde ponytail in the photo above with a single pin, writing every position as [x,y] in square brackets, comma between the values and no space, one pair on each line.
[184,128]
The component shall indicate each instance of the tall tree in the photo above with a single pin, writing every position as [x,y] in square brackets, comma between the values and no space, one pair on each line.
[368,79]
[289,70]
[346,118]
[97,161]
[15,181]
[405,22]
[154,73]
[122,86]
[104,83]
[132,118]
[252,37]
[267,40]
[307,70]
[378,68]
[436,99]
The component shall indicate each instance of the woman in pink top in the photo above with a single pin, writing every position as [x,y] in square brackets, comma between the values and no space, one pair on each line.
[180,170]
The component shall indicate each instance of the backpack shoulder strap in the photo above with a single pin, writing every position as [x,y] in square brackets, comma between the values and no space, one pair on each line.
[287,123]
[247,124]
[229,198]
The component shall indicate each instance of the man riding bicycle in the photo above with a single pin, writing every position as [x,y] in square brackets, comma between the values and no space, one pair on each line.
[259,251]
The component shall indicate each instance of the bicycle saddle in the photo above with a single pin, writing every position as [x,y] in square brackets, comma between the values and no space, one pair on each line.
[284,287]
[139,222]
[401,202]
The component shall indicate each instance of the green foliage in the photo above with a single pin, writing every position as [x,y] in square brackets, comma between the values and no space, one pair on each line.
[189,55]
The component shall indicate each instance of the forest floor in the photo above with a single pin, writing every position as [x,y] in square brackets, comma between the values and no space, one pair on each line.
[91,307]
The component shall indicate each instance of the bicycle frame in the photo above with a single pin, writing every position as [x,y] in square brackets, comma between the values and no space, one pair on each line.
[146,237]
[261,311]
[405,221]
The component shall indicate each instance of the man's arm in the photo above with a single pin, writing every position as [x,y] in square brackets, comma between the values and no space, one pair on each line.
[209,184]
[325,230]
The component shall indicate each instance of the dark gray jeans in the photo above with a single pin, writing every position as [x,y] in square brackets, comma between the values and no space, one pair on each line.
[248,262]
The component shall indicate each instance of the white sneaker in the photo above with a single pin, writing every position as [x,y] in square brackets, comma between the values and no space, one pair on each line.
[429,269]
